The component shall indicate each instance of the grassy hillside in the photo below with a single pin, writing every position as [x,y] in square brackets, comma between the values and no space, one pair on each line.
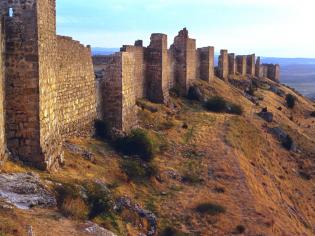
[212,173]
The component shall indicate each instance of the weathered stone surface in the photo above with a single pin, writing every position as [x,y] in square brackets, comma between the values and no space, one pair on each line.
[76,87]
[271,71]
[206,63]
[157,69]
[241,65]
[251,64]
[267,116]
[184,50]
[3,142]
[25,191]
[46,89]
[125,202]
[117,90]
[93,229]
[223,65]
[232,64]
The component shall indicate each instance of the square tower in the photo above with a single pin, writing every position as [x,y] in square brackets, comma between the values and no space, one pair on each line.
[30,82]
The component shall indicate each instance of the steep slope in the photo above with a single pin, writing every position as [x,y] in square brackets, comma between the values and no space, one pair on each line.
[254,185]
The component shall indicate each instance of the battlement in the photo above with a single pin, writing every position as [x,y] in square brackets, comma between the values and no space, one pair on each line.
[150,72]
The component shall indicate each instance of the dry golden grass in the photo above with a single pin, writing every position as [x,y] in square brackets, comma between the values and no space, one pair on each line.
[230,160]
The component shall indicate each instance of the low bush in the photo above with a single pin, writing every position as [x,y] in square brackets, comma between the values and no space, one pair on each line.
[235,109]
[194,94]
[101,129]
[240,229]
[313,114]
[99,199]
[210,209]
[70,202]
[290,99]
[219,104]
[139,143]
[138,171]
[216,104]
[287,142]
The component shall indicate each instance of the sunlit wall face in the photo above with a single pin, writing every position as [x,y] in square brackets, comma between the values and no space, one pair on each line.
[267,27]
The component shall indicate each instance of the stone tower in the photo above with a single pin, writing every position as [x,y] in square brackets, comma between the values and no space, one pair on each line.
[30,81]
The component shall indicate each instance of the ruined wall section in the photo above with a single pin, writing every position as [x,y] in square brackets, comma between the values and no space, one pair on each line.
[206,63]
[223,65]
[250,64]
[2,97]
[232,64]
[184,49]
[241,65]
[76,87]
[117,90]
[22,81]
[157,69]
[50,138]
[139,68]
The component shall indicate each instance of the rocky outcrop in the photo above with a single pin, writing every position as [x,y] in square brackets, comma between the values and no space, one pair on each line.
[125,202]
[25,191]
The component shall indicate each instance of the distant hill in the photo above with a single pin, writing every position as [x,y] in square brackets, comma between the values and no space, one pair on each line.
[104,51]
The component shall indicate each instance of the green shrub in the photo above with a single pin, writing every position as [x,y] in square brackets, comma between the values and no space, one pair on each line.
[70,202]
[235,109]
[219,104]
[138,171]
[287,142]
[210,209]
[101,129]
[313,114]
[216,104]
[99,199]
[290,99]
[139,143]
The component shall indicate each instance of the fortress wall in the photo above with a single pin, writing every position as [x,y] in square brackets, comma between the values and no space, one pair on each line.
[2,97]
[50,138]
[139,68]
[206,63]
[22,86]
[117,90]
[250,64]
[76,87]
[258,68]
[171,68]
[241,65]
[157,69]
[223,65]
[232,64]
[184,50]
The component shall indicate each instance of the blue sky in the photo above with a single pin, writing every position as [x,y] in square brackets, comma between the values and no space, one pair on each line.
[282,28]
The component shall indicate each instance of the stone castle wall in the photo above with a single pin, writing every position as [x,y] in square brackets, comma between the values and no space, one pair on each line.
[32,109]
[22,80]
[157,69]
[150,72]
[2,97]
[50,139]
[117,90]
[76,87]
[206,63]
[185,55]
[139,68]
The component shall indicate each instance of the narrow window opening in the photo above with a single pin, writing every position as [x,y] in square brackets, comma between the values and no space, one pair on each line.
[11,12]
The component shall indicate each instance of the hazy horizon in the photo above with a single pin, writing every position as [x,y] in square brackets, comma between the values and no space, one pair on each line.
[271,28]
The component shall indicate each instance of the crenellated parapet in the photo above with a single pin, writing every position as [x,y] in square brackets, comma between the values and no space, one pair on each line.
[150,72]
